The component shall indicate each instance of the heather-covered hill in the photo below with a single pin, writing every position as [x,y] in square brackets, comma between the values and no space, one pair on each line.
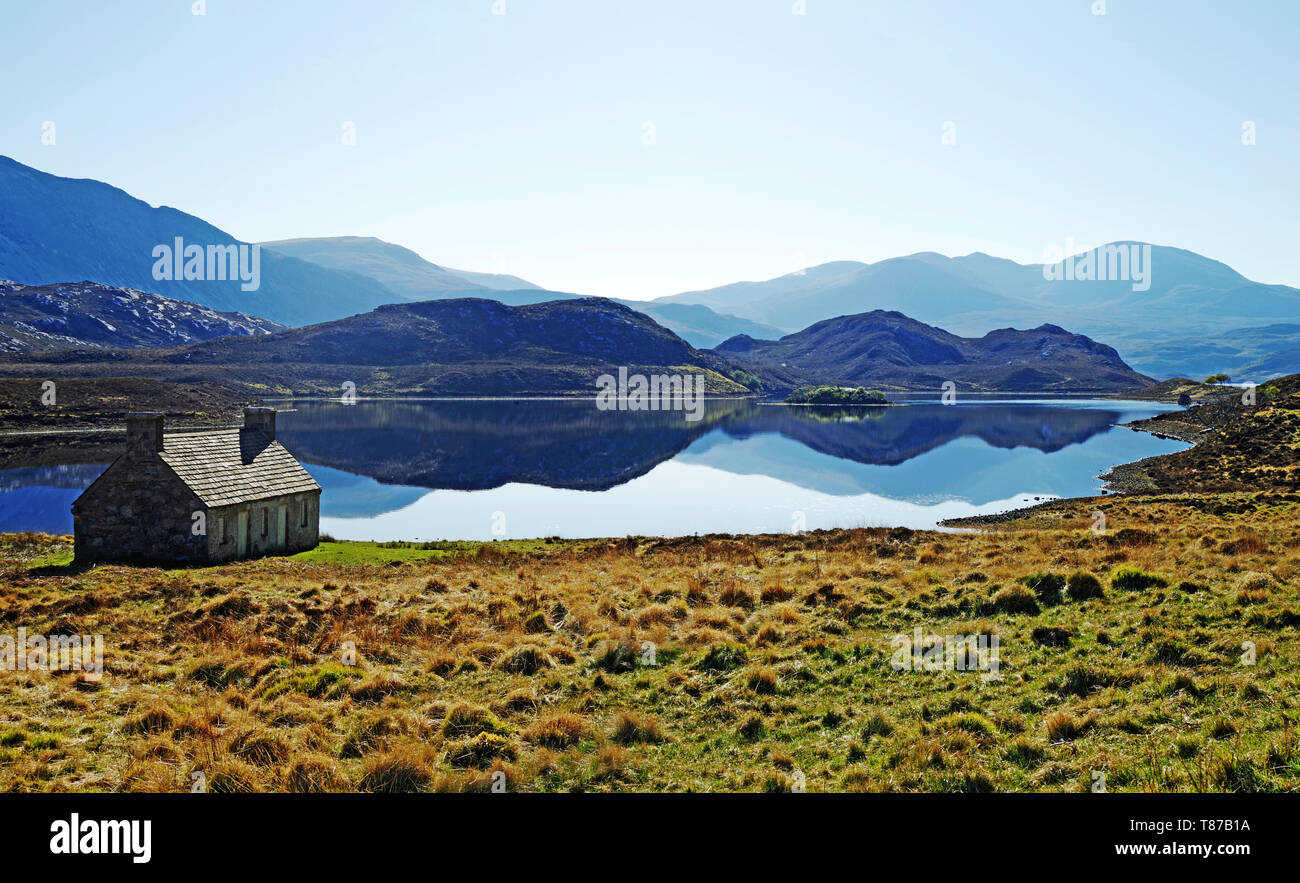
[889,350]
[467,346]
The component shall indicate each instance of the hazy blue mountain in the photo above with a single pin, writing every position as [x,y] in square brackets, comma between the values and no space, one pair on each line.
[1197,316]
[87,315]
[412,277]
[1254,354]
[494,281]
[698,325]
[930,293]
[54,229]
[399,269]
[1190,297]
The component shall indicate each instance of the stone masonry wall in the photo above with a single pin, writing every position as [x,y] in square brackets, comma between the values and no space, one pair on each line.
[138,511]
[223,527]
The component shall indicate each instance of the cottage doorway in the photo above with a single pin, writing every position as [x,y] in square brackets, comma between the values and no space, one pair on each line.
[282,529]
[241,535]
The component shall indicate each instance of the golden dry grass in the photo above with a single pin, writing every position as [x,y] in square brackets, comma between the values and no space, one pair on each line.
[716,663]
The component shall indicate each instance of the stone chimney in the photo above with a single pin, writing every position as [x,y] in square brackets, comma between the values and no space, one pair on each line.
[262,420]
[144,433]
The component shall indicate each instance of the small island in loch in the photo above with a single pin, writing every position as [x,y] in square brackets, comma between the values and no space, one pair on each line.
[836,395]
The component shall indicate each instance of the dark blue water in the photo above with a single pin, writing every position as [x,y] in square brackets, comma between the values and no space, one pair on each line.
[482,469]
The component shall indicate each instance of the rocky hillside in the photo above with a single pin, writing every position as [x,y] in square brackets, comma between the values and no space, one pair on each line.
[888,350]
[1243,448]
[87,315]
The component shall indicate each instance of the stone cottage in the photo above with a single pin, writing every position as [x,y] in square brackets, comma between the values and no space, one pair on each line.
[206,496]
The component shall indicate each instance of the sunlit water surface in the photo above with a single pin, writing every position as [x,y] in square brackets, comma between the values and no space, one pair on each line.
[428,470]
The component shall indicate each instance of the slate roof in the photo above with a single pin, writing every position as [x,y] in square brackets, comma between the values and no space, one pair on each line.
[234,466]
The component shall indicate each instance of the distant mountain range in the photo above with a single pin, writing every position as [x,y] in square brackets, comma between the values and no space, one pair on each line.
[475,346]
[1193,299]
[699,325]
[411,276]
[398,269]
[1189,298]
[1195,316]
[1242,353]
[87,315]
[56,229]
[888,350]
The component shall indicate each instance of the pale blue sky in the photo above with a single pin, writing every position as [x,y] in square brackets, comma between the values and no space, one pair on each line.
[515,141]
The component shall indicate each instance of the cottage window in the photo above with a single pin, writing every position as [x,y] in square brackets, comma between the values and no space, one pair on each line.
[221,529]
[266,521]
[305,507]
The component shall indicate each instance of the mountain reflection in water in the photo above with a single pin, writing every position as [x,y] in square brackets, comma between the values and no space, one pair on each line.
[462,469]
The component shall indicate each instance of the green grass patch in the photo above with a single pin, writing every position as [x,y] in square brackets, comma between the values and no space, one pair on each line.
[325,681]
[372,553]
[55,559]
[1128,577]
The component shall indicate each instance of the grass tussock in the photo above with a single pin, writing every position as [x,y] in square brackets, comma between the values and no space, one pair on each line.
[632,729]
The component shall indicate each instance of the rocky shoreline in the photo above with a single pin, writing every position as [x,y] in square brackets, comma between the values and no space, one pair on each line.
[34,406]
[1005,517]
[1122,480]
